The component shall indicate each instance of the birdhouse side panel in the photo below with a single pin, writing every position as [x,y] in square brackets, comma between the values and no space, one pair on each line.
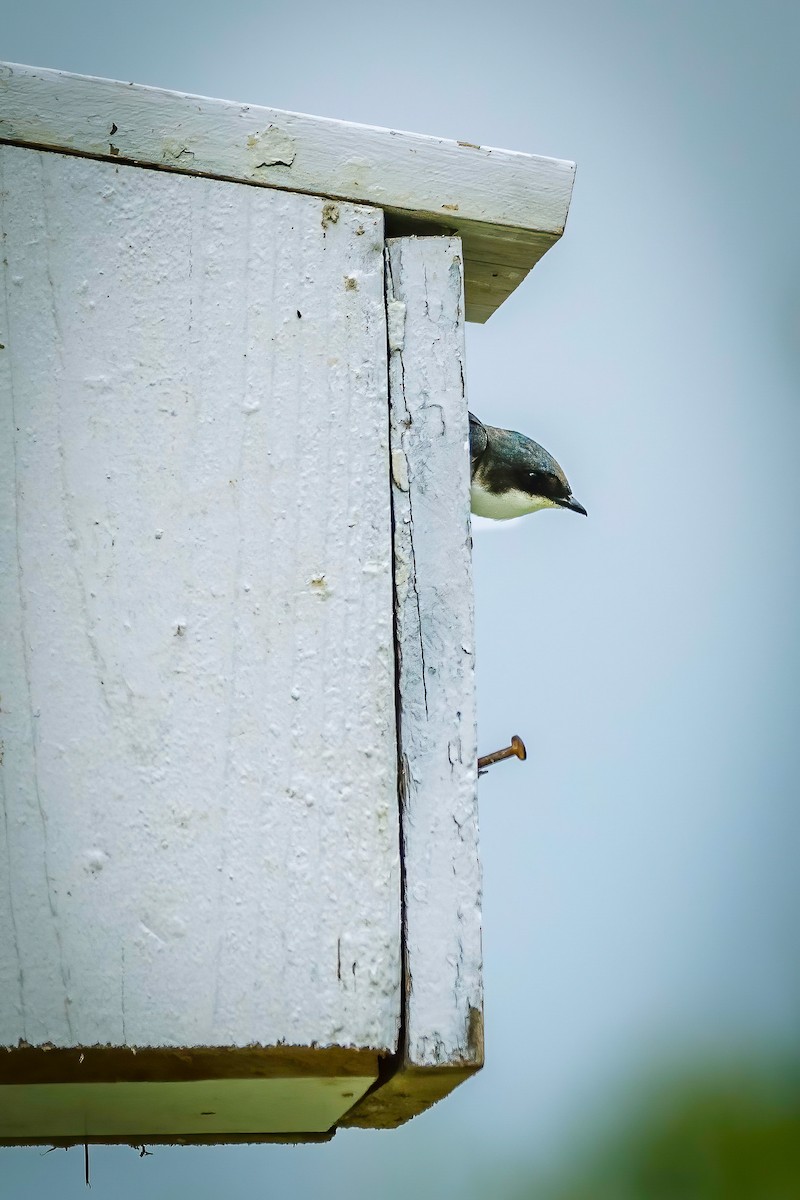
[443,1026]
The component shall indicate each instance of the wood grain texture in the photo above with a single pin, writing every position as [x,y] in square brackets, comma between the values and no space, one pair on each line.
[199,815]
[504,205]
[218,1107]
[434,618]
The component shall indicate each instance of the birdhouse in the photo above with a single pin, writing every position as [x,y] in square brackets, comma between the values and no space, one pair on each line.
[239,885]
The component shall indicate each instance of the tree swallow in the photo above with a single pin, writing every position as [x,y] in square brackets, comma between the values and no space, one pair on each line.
[513,475]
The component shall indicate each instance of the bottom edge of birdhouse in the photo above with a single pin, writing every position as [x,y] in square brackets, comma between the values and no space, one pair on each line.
[70,1095]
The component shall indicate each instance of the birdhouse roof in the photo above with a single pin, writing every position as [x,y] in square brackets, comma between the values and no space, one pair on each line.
[507,207]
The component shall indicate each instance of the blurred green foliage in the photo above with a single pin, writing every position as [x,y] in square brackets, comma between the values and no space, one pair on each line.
[732,1135]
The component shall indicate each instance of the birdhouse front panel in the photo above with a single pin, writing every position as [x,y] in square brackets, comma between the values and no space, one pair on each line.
[200,777]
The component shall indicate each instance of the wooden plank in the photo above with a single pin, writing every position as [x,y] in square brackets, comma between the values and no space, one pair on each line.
[218,1107]
[482,312]
[507,248]
[144,1140]
[297,1089]
[492,275]
[421,181]
[442,1031]
[143,1064]
[200,798]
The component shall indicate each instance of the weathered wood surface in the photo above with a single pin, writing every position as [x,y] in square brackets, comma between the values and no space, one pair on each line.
[74,1113]
[199,815]
[224,1094]
[507,207]
[434,616]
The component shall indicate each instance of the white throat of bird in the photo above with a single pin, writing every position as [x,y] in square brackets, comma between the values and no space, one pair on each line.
[502,507]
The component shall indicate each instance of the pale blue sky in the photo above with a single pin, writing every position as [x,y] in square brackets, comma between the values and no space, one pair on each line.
[641,888]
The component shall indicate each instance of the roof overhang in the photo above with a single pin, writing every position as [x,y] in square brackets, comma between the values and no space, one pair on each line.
[508,208]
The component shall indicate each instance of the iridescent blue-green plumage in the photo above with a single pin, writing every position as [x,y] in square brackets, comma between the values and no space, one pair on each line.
[512,475]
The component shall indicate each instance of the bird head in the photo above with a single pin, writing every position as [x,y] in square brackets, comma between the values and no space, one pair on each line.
[537,474]
[515,475]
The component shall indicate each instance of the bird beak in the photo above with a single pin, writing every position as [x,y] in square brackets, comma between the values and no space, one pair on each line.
[571,502]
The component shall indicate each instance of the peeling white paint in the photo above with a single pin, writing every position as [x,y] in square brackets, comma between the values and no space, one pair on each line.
[400,470]
[272,147]
[433,581]
[396,320]
[508,208]
[199,778]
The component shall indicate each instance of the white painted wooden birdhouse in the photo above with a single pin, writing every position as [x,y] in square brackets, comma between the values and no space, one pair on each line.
[239,885]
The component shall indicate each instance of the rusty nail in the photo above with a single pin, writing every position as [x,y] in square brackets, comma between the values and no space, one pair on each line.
[515,750]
